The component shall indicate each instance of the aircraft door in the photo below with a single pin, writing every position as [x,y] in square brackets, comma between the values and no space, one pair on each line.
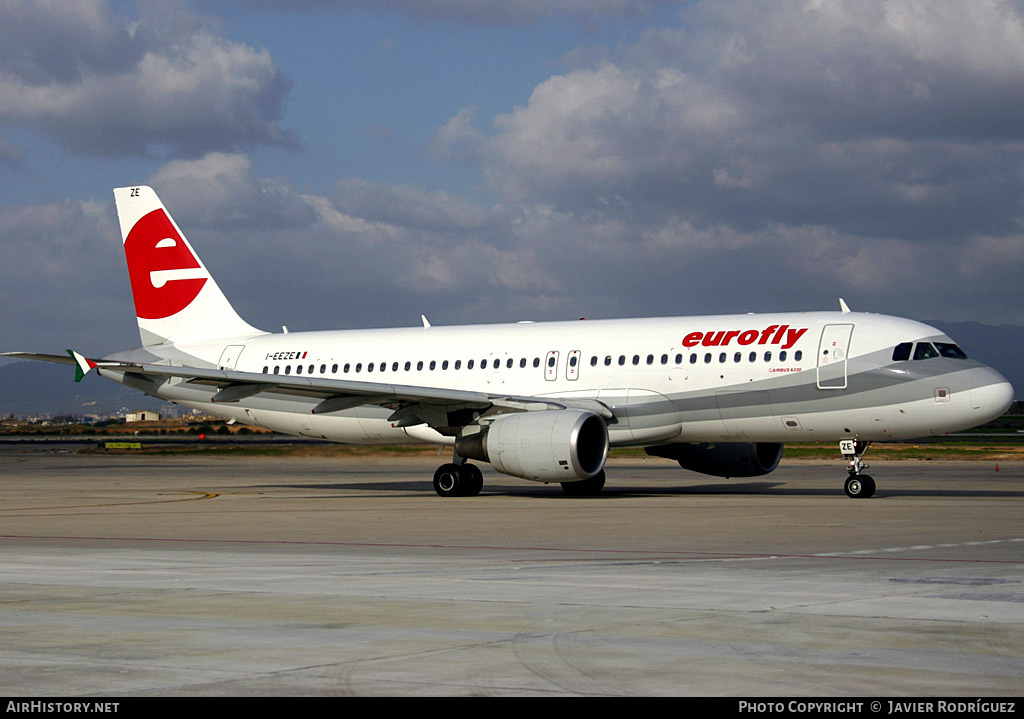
[833,350]
[572,365]
[229,357]
[551,366]
[497,373]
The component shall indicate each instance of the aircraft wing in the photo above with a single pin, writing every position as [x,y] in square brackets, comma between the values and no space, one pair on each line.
[411,404]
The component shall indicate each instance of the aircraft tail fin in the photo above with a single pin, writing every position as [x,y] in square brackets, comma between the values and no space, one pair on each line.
[176,298]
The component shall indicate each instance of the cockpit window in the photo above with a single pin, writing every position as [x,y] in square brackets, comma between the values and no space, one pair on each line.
[902,351]
[927,350]
[947,349]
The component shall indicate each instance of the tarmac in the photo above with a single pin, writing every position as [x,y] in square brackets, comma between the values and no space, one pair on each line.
[196,575]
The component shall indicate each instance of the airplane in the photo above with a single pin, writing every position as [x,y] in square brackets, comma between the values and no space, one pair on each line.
[545,401]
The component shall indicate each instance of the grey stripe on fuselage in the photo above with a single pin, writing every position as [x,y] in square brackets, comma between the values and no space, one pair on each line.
[873,380]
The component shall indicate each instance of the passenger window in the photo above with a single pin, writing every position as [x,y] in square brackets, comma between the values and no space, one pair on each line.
[419,366]
[469,364]
[483,363]
[433,364]
[636,359]
[408,365]
[276,369]
[288,369]
[902,351]
[298,369]
[607,360]
[679,359]
[444,365]
[522,363]
[347,367]
[721,357]
[650,359]
[311,369]
[767,356]
[593,361]
[798,355]
[394,367]
[924,350]
[782,356]
[458,364]
[693,359]
[508,364]
[265,370]
[536,362]
[707,358]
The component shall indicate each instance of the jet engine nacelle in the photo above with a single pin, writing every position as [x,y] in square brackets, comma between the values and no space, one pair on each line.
[561,445]
[723,459]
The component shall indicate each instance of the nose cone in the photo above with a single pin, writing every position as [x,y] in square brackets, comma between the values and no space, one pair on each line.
[991,394]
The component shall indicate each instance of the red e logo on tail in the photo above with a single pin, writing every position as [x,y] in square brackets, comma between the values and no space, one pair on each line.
[164,273]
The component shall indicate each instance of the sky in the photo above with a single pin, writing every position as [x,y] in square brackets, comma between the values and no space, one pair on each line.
[357,163]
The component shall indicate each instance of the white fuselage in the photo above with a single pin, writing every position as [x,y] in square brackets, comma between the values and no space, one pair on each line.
[743,378]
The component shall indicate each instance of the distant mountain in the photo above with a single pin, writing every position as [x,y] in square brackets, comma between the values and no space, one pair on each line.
[41,388]
[36,388]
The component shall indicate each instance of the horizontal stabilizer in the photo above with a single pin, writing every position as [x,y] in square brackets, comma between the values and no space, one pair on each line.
[83,365]
[59,359]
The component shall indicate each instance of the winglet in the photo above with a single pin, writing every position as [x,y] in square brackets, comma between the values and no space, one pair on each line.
[83,365]
[843,307]
[426,323]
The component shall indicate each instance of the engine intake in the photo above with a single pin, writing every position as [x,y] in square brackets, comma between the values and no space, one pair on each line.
[562,445]
[723,459]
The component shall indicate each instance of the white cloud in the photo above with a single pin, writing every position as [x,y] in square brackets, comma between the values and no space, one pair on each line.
[63,279]
[409,206]
[474,12]
[759,156]
[166,83]
[595,132]
[878,118]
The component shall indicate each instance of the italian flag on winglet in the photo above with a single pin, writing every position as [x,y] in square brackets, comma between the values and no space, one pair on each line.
[82,365]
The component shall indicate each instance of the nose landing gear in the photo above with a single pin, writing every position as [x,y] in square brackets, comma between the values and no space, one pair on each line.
[858,485]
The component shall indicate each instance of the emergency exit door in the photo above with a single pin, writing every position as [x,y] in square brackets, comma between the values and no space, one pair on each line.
[833,352]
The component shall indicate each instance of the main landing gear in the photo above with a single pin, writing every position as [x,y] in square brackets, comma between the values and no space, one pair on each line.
[458,479]
[858,485]
[585,487]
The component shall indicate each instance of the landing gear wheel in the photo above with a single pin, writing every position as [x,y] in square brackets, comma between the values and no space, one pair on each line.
[458,480]
[859,486]
[585,487]
[472,479]
[448,480]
